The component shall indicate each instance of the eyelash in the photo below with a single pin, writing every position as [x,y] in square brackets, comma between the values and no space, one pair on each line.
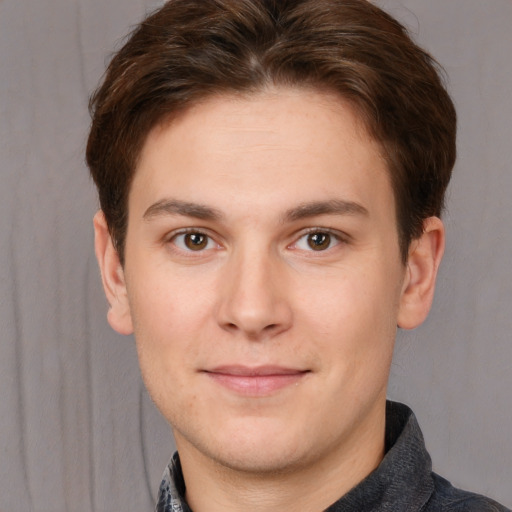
[191,231]
[335,238]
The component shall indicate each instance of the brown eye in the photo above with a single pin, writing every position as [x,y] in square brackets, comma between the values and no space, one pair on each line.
[319,241]
[195,241]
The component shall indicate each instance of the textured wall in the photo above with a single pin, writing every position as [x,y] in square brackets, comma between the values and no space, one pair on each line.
[77,431]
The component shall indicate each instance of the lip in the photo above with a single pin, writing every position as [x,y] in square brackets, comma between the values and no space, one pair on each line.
[255,381]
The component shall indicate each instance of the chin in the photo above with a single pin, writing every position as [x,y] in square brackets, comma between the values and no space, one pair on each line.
[256,448]
[260,461]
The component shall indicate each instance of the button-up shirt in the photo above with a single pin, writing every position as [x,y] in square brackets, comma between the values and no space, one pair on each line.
[403,481]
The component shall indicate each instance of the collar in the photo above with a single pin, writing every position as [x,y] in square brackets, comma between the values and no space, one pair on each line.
[402,482]
[172,489]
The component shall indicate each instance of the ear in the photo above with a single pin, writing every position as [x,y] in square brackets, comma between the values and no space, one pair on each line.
[112,276]
[424,258]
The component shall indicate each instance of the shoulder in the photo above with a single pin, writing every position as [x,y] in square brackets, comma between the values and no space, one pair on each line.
[447,498]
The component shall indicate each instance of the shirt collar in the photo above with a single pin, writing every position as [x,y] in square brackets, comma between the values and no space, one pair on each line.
[172,489]
[402,482]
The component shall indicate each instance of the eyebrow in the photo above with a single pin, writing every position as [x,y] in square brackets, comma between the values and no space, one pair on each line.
[331,207]
[176,207]
[302,211]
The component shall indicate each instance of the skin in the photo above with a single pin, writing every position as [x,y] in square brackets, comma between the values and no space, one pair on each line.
[268,355]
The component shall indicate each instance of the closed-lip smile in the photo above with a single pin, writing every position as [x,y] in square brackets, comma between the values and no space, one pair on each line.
[255,380]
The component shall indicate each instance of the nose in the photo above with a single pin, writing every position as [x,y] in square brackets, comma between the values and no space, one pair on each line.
[254,300]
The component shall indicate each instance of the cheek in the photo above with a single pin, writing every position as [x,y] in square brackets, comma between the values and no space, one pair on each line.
[168,315]
[350,301]
[352,318]
[165,302]
[166,353]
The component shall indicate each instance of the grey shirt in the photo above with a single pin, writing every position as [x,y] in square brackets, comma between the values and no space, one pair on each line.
[403,482]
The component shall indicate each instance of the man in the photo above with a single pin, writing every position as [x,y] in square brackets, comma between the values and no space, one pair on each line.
[271,176]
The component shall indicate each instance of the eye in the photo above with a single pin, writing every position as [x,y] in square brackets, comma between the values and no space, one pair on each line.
[193,241]
[317,241]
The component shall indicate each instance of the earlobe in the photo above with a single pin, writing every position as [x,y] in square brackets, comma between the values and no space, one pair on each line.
[112,276]
[425,254]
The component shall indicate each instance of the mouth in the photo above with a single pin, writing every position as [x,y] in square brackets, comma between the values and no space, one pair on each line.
[255,381]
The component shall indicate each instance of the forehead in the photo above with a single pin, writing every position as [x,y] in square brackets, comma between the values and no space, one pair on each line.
[266,110]
[274,144]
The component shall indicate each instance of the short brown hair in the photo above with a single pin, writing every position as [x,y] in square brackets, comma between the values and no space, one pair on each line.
[191,49]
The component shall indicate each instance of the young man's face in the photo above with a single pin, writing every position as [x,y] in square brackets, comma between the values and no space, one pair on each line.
[263,280]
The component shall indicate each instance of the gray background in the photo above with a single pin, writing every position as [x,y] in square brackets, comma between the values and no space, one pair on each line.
[77,430]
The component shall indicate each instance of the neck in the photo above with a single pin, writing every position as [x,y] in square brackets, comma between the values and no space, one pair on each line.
[213,487]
